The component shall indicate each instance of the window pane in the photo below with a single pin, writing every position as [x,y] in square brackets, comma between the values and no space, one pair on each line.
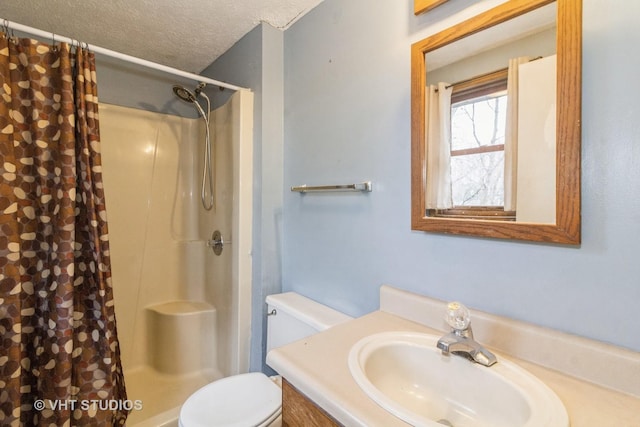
[478,179]
[478,122]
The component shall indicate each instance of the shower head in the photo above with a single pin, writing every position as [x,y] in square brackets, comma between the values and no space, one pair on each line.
[207,177]
[184,93]
[191,97]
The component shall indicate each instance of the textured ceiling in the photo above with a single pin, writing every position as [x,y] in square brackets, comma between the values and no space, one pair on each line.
[185,34]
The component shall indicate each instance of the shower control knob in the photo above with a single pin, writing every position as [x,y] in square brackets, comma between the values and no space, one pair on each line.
[217,242]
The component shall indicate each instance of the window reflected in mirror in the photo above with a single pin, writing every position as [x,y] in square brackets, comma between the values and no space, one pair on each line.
[478,121]
[476,165]
[487,127]
[477,150]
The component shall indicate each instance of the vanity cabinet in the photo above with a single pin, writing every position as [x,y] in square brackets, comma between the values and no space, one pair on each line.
[299,411]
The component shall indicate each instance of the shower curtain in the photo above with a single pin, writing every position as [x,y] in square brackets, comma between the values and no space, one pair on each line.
[59,352]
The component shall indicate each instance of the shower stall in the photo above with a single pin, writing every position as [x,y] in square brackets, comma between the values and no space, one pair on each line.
[181,269]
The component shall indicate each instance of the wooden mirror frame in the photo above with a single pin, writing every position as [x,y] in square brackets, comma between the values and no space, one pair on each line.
[422,6]
[568,135]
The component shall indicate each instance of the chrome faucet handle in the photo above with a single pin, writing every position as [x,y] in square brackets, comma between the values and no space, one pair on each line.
[460,340]
[459,318]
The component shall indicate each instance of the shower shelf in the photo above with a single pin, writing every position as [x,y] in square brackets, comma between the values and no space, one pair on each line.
[362,187]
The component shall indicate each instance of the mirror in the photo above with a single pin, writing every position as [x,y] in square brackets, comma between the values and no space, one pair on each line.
[434,60]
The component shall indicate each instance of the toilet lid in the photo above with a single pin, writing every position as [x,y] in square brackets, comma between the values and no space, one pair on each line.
[236,401]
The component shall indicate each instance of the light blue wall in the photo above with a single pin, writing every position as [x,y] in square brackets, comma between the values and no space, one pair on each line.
[129,85]
[256,62]
[347,107]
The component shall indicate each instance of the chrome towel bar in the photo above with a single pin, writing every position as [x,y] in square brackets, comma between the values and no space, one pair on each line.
[364,187]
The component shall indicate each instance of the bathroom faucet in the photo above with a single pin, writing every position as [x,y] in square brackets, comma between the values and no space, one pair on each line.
[460,340]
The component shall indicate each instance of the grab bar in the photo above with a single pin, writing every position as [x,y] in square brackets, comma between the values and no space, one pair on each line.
[364,187]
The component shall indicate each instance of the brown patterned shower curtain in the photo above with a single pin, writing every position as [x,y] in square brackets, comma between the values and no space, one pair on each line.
[59,351]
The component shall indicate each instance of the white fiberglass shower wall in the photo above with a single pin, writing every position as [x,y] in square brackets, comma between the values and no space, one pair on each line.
[183,313]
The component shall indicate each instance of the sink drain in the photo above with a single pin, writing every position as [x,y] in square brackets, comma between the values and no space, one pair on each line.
[444,422]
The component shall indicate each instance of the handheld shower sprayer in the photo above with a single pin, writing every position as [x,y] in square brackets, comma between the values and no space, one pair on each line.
[207,176]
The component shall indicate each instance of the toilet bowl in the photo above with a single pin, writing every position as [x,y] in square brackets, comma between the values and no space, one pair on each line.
[237,401]
[253,399]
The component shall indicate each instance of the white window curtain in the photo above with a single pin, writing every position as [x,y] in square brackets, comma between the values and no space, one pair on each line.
[511,135]
[438,146]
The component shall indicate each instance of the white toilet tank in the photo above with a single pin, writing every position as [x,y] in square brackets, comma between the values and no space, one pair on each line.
[292,317]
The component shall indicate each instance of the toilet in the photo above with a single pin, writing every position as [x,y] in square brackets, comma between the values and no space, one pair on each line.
[254,399]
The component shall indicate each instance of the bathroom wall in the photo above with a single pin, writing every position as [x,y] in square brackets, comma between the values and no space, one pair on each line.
[540,44]
[130,85]
[256,61]
[347,119]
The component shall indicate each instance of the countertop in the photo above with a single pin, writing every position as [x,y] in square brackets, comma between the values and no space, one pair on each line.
[317,366]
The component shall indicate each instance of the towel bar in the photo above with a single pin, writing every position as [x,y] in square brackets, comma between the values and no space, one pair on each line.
[364,187]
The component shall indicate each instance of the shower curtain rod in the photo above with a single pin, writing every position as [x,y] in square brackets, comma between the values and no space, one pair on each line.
[113,54]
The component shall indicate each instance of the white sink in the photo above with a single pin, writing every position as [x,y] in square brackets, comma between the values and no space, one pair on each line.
[407,375]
